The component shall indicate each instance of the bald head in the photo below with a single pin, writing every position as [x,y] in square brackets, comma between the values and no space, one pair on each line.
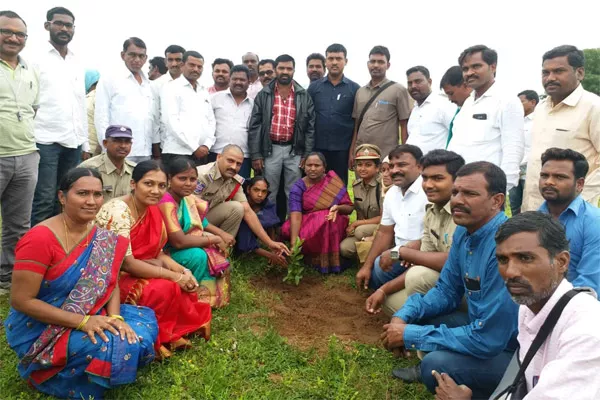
[251,60]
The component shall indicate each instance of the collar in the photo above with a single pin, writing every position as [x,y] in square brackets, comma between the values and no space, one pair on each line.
[128,73]
[415,187]
[438,210]
[383,82]
[373,182]
[572,99]
[529,117]
[533,322]
[52,49]
[492,91]
[228,93]
[490,226]
[20,62]
[574,206]
[430,99]
[326,79]
[110,167]
[292,88]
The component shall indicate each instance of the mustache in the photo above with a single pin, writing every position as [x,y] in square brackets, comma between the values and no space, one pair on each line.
[553,83]
[519,282]
[462,209]
[398,175]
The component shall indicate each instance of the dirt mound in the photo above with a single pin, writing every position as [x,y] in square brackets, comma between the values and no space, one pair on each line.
[319,307]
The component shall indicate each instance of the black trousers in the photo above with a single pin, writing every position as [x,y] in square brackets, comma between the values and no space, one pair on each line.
[337,160]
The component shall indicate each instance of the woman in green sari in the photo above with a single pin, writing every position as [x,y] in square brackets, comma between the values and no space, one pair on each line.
[192,241]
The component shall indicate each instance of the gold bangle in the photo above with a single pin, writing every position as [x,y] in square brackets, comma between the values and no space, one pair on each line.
[380,289]
[209,241]
[116,316]
[83,322]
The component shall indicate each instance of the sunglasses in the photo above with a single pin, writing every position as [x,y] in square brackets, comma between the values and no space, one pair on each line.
[263,73]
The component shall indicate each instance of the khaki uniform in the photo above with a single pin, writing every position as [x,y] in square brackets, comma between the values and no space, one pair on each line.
[115,183]
[367,203]
[224,197]
[438,229]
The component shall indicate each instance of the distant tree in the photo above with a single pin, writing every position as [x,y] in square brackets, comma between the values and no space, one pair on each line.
[592,70]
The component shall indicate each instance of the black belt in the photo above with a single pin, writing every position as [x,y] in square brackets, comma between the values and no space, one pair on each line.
[279,143]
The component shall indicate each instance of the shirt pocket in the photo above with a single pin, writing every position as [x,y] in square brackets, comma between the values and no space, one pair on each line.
[484,130]
[380,110]
[343,105]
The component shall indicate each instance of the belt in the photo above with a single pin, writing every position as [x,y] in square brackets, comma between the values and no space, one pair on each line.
[279,143]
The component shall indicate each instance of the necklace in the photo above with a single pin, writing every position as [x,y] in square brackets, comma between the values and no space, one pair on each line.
[137,213]
[68,234]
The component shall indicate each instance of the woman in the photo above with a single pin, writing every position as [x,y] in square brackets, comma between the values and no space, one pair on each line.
[66,323]
[150,277]
[315,202]
[188,243]
[257,191]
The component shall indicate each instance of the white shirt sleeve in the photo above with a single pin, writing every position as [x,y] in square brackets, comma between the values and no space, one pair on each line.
[211,125]
[513,140]
[387,218]
[102,111]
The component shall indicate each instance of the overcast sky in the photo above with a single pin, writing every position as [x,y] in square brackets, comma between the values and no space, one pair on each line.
[429,32]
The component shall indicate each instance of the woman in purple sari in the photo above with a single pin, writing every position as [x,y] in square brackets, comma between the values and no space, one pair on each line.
[72,336]
[319,208]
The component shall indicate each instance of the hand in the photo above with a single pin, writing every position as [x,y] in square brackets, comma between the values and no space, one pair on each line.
[403,262]
[277,259]
[156,152]
[351,159]
[351,228]
[385,261]
[374,302]
[302,161]
[258,165]
[279,248]
[368,239]
[393,335]
[447,389]
[363,277]
[201,152]
[332,216]
[85,155]
[124,330]
[228,239]
[97,324]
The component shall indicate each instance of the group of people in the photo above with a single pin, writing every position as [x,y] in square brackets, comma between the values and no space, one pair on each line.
[156,190]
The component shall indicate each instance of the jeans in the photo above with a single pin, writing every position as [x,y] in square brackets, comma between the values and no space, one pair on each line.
[338,162]
[55,161]
[244,170]
[379,277]
[282,162]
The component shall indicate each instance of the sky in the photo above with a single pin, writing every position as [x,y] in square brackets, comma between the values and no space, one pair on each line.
[432,33]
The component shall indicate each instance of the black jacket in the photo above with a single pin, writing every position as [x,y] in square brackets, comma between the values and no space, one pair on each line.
[259,140]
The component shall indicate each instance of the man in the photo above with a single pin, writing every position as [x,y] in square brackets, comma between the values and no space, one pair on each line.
[115,169]
[221,70]
[432,114]
[333,97]
[19,158]
[562,180]
[61,130]
[221,186]
[490,124]
[568,119]
[232,109]
[401,222]
[453,84]
[125,98]
[533,256]
[187,114]
[387,114]
[157,68]
[251,60]
[315,67]
[266,71]
[529,99]
[425,263]
[282,128]
[475,347]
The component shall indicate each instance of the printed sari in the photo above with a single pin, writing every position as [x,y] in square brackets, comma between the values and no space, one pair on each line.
[209,265]
[322,238]
[62,361]
[178,312]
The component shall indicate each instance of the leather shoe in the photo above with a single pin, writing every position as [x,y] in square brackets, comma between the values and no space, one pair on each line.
[410,374]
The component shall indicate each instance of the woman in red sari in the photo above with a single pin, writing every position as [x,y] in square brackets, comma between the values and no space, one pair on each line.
[319,208]
[151,278]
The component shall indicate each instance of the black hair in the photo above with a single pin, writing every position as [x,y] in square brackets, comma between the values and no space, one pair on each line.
[530,95]
[419,68]
[266,61]
[413,150]
[159,62]
[319,155]
[248,183]
[58,10]
[222,61]
[240,68]
[336,48]
[551,233]
[316,56]
[144,167]
[285,58]
[191,53]
[580,164]
[180,164]
[74,174]
[137,42]
[450,159]
[452,77]
[574,55]
[11,15]
[493,174]
[488,55]
[380,50]
[174,49]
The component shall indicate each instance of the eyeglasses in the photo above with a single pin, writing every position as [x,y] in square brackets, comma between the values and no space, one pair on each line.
[8,33]
[61,24]
[263,73]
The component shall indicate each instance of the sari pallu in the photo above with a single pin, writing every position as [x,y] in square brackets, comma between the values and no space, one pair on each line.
[209,265]
[322,238]
[62,361]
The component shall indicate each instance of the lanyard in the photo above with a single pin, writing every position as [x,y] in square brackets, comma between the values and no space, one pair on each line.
[15,92]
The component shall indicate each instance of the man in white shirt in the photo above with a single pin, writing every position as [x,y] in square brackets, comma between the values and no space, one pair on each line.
[61,130]
[533,256]
[125,97]
[489,125]
[251,60]
[432,114]
[232,109]
[221,71]
[187,114]
[401,222]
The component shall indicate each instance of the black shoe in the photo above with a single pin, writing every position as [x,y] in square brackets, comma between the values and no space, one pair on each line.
[410,374]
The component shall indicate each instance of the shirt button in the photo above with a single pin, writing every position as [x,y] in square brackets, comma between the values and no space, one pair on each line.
[480,323]
[413,346]
[469,293]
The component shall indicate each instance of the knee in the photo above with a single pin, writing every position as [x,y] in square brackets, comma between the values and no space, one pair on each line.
[236,210]
[420,279]
[348,248]
[434,361]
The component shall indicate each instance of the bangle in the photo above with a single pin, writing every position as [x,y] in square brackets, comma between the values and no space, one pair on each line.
[380,289]
[209,241]
[83,322]
[180,278]
[117,316]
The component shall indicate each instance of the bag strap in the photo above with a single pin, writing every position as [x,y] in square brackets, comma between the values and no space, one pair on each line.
[371,100]
[541,337]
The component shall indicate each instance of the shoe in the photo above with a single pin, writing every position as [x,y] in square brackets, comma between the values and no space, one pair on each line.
[410,374]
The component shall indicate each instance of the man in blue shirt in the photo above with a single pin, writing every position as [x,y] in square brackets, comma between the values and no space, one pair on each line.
[561,181]
[333,96]
[473,348]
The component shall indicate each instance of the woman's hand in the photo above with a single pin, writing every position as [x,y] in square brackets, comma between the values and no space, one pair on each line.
[277,259]
[186,281]
[124,329]
[228,239]
[97,324]
[333,212]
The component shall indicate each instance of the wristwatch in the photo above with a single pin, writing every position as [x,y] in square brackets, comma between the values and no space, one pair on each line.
[395,255]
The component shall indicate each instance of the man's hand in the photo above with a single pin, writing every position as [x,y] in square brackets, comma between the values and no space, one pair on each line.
[258,165]
[393,335]
[85,155]
[351,228]
[363,277]
[156,152]
[374,302]
[279,248]
[447,389]
[351,159]
[228,239]
[302,161]
[201,152]
[385,261]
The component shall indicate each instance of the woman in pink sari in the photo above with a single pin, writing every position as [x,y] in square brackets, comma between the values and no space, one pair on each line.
[319,207]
